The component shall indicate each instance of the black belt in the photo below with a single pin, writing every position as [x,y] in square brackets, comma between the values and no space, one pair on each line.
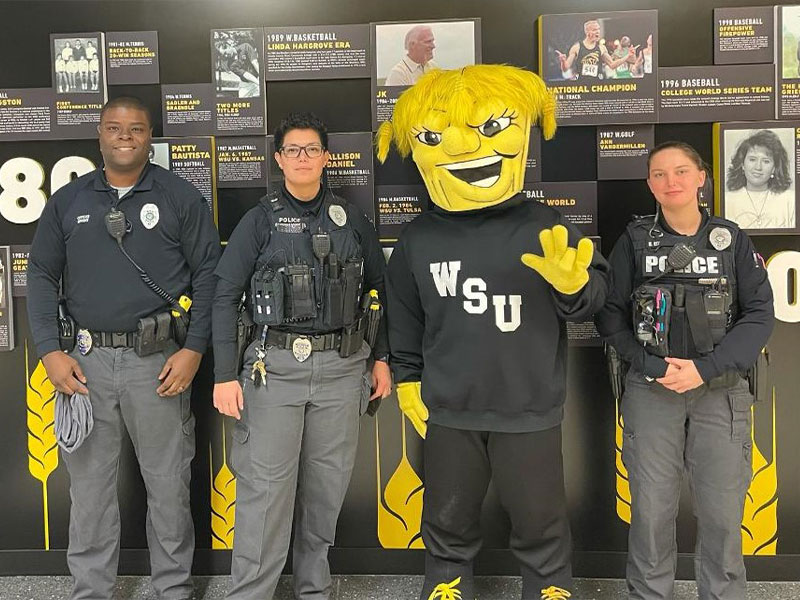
[284,339]
[112,340]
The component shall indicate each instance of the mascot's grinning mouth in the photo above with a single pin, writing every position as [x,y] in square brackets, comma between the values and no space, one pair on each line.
[481,172]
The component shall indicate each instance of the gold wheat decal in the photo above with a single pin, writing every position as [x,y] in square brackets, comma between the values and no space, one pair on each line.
[760,522]
[400,504]
[40,398]
[223,501]
[623,486]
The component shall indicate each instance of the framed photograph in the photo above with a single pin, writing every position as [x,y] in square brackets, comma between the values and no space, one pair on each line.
[757,168]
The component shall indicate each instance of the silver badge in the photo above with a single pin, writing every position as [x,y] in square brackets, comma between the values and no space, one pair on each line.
[84,341]
[337,214]
[149,215]
[720,238]
[301,348]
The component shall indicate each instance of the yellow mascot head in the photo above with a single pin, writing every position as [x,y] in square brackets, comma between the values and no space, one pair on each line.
[468,130]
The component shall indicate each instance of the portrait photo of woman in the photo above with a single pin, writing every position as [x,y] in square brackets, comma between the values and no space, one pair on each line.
[759,182]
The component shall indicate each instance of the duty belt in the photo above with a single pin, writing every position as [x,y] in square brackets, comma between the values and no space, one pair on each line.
[284,339]
[112,340]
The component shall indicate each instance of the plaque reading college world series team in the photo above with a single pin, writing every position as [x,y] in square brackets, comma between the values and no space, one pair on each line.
[602,66]
[132,57]
[317,52]
[716,93]
[403,51]
[744,35]
[756,173]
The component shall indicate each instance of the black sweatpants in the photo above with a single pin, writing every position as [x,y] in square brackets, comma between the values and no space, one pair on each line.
[527,470]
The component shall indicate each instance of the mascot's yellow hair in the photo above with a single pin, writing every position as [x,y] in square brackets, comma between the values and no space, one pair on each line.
[457,91]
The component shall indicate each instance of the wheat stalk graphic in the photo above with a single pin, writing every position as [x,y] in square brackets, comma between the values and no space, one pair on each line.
[40,397]
[760,521]
[623,490]
[223,501]
[400,504]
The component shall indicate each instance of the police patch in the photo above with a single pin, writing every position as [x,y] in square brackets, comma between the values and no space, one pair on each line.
[149,215]
[720,238]
[337,214]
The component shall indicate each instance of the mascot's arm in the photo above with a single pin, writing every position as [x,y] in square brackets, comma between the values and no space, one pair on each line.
[406,325]
[579,276]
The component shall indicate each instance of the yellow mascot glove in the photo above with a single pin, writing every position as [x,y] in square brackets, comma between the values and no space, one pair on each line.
[565,268]
[410,401]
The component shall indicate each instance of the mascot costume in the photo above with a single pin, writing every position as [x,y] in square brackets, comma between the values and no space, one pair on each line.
[478,291]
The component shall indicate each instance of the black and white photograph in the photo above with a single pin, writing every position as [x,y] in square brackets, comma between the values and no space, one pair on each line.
[236,60]
[77,64]
[760,179]
[404,51]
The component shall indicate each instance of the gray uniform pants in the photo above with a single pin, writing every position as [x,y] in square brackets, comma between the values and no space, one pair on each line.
[707,432]
[293,454]
[122,388]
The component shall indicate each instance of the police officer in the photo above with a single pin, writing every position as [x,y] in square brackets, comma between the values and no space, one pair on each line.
[299,256]
[165,227]
[690,310]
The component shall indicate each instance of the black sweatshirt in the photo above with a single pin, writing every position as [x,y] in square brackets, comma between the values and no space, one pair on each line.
[741,345]
[103,289]
[247,243]
[485,334]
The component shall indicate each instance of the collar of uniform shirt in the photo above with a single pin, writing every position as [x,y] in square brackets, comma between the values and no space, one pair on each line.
[308,207]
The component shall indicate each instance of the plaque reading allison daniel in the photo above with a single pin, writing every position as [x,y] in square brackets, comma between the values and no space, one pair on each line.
[317,52]
[602,66]
[622,151]
[756,171]
[713,93]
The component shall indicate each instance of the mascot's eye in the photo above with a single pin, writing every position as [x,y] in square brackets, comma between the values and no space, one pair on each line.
[431,138]
[494,126]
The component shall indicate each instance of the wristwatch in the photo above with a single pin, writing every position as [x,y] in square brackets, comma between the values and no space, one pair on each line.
[383,357]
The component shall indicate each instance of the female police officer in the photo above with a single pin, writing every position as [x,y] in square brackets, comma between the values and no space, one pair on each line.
[303,255]
[690,310]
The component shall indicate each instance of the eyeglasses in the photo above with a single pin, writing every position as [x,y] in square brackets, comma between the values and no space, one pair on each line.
[311,150]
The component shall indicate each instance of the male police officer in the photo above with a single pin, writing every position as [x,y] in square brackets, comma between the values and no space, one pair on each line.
[162,224]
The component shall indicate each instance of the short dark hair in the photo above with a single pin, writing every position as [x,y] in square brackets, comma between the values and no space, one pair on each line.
[127,102]
[305,120]
[688,150]
[780,181]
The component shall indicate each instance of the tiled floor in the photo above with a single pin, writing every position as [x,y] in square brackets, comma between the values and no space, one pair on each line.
[368,587]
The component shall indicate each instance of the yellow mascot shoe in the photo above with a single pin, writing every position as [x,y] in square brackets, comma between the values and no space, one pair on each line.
[555,593]
[446,591]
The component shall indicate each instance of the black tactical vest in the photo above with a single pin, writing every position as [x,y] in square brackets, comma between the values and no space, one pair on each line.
[295,290]
[692,331]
